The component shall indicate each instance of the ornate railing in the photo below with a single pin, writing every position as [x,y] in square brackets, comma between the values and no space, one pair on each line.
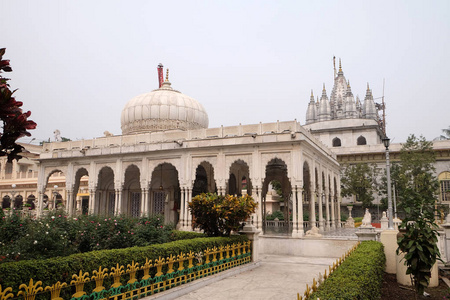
[154,276]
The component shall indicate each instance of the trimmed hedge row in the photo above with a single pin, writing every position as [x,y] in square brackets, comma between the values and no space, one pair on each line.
[49,271]
[185,235]
[360,276]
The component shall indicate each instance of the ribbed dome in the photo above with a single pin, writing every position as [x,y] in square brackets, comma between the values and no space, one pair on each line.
[162,109]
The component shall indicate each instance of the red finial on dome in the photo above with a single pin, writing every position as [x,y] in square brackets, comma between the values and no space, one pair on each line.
[160,74]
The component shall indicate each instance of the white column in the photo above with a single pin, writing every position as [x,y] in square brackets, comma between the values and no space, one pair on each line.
[118,202]
[320,196]
[327,211]
[182,213]
[189,215]
[40,205]
[300,230]
[259,208]
[69,207]
[294,213]
[338,207]
[333,207]
[91,201]
[143,204]
[312,210]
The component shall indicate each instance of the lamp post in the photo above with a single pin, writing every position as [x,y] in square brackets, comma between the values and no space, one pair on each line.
[388,175]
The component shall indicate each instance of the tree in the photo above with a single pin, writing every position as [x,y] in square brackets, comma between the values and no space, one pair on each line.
[15,121]
[417,188]
[446,135]
[219,215]
[359,180]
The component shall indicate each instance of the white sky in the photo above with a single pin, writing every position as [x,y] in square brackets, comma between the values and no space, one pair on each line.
[77,63]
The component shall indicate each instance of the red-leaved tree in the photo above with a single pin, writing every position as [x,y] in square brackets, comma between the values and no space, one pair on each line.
[15,121]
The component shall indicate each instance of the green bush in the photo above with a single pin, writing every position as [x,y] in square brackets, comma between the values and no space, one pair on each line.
[51,270]
[59,235]
[276,214]
[360,276]
[358,219]
[219,215]
[185,235]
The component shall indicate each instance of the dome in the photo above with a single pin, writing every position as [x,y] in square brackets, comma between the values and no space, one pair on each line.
[162,109]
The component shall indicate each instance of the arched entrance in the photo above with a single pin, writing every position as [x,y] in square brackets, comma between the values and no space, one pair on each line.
[6,202]
[132,192]
[107,199]
[309,208]
[204,179]
[238,180]
[165,193]
[277,174]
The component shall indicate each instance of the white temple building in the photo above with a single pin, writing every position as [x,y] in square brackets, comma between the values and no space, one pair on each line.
[167,154]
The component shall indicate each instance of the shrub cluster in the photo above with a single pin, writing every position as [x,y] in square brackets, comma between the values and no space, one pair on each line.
[219,215]
[51,270]
[59,235]
[360,276]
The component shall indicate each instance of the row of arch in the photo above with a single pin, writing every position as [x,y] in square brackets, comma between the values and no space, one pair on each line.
[18,202]
[361,140]
[163,193]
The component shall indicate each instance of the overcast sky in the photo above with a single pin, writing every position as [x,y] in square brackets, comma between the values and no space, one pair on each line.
[77,63]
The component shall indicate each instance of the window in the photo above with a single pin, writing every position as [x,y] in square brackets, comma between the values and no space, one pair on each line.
[444,186]
[336,142]
[361,141]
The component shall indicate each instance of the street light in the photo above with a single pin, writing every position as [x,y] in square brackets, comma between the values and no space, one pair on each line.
[388,175]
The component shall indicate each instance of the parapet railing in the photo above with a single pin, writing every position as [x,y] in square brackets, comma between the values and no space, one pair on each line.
[167,273]
[316,283]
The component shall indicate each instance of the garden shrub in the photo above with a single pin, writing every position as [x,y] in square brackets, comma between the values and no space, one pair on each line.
[360,276]
[59,235]
[275,215]
[185,235]
[219,215]
[51,270]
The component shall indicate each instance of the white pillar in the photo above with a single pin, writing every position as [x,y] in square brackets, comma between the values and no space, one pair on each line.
[333,207]
[180,224]
[259,208]
[320,196]
[189,215]
[40,205]
[91,201]
[294,213]
[338,206]
[69,207]
[300,231]
[143,200]
[312,210]
[327,211]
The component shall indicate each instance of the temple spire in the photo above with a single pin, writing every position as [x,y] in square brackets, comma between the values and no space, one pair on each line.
[167,74]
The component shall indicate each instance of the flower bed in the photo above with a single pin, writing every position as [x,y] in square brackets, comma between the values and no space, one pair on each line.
[59,235]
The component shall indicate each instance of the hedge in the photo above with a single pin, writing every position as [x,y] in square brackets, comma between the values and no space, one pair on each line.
[49,271]
[185,235]
[360,276]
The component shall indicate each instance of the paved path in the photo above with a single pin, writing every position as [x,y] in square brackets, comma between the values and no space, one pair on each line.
[277,277]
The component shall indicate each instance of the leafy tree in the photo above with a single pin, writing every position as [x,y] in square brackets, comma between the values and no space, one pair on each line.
[446,135]
[417,188]
[219,215]
[15,121]
[359,180]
